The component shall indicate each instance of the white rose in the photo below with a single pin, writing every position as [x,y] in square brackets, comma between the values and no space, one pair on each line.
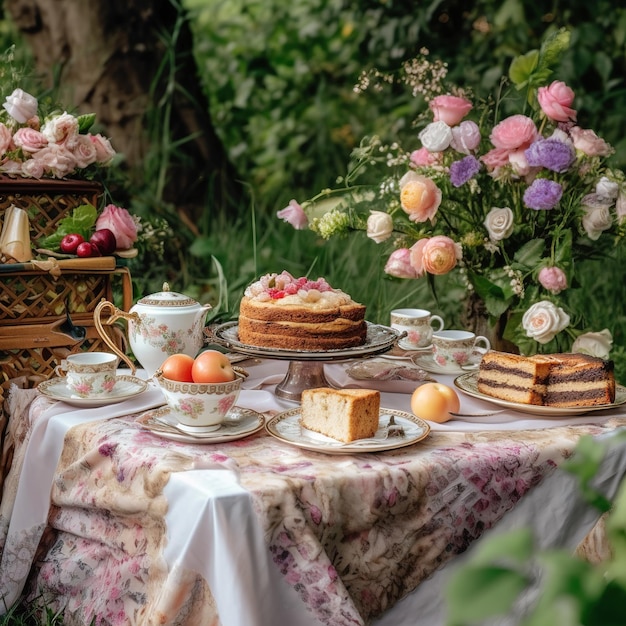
[499,223]
[594,344]
[607,188]
[436,137]
[21,106]
[544,320]
[60,128]
[379,226]
[596,220]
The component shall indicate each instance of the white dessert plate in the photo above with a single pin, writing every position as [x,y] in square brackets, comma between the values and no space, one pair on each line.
[239,424]
[468,384]
[428,363]
[286,427]
[126,387]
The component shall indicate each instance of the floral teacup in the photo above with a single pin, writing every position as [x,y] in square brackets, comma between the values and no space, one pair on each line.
[454,349]
[418,324]
[89,374]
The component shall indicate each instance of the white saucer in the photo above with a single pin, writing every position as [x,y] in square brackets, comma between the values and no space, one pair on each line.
[126,387]
[409,347]
[428,363]
[239,423]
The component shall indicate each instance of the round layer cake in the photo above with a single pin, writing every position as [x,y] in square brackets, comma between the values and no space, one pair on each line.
[283,312]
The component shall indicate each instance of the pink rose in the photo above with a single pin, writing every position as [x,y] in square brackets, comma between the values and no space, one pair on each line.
[556,100]
[440,255]
[21,106]
[11,167]
[56,160]
[104,150]
[32,168]
[620,207]
[120,222]
[5,138]
[553,279]
[417,256]
[399,264]
[495,158]
[420,198]
[450,109]
[422,157]
[514,132]
[294,214]
[589,143]
[29,140]
[83,150]
[465,137]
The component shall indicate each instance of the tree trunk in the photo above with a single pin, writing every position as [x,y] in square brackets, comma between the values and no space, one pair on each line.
[127,61]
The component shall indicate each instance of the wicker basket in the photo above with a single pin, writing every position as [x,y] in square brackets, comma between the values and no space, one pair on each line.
[46,201]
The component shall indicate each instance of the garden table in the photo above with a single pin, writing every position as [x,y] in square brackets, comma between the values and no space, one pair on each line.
[110,521]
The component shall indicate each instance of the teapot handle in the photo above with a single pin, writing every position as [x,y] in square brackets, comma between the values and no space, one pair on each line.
[115,315]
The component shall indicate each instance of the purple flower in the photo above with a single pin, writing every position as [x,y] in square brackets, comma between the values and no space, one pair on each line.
[543,194]
[552,154]
[463,170]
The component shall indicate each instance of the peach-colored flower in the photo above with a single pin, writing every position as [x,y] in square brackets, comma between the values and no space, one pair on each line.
[56,160]
[450,109]
[589,143]
[514,132]
[399,264]
[420,198]
[556,100]
[440,255]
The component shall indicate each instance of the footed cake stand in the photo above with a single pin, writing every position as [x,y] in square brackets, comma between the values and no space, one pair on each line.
[306,368]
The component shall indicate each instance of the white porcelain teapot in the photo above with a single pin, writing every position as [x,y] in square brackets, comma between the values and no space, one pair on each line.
[159,325]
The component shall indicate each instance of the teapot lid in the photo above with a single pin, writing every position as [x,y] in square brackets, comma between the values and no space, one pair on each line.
[167,298]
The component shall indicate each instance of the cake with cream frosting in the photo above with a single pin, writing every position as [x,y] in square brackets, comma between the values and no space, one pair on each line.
[283,312]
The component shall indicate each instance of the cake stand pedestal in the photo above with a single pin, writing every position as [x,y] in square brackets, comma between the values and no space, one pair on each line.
[306,368]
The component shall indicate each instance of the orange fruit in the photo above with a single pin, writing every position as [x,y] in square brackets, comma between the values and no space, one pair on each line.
[178,367]
[434,401]
[212,366]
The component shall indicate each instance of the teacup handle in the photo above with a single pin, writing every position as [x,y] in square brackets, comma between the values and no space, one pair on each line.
[115,315]
[436,318]
[481,340]
[61,369]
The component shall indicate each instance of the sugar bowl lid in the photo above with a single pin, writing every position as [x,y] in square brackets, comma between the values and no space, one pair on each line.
[167,298]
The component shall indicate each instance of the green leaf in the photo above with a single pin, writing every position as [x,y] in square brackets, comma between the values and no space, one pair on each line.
[85,122]
[553,46]
[530,253]
[80,221]
[476,593]
[522,68]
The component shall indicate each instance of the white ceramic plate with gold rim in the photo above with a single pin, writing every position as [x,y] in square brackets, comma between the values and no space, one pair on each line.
[468,383]
[126,387]
[239,423]
[286,427]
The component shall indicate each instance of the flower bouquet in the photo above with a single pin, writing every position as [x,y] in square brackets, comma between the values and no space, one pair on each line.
[509,193]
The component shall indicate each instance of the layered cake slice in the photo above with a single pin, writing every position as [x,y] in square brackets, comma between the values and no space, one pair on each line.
[557,380]
[343,414]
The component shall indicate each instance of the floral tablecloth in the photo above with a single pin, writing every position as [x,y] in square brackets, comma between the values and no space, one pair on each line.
[348,535]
